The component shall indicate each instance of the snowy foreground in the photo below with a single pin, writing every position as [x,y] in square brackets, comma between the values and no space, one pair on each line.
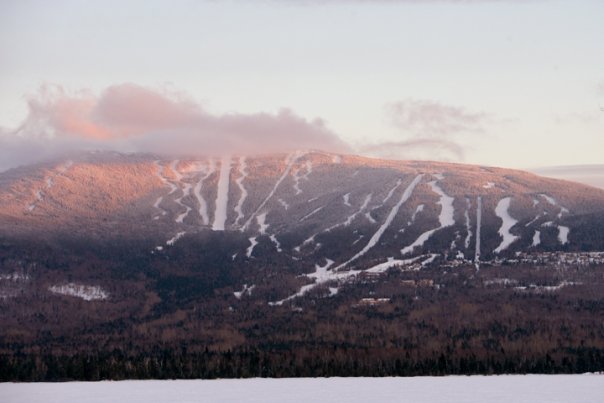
[493,389]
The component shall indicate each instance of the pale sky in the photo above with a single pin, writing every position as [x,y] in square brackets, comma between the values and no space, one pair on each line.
[496,82]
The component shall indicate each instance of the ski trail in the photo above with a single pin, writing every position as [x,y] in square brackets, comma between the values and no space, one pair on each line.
[370,218]
[277,244]
[563,234]
[49,181]
[554,203]
[445,218]
[536,238]
[391,192]
[297,177]
[222,194]
[250,249]
[478,224]
[173,187]
[176,237]
[323,275]
[312,213]
[507,223]
[468,227]
[186,191]
[203,205]
[243,174]
[378,234]
[290,160]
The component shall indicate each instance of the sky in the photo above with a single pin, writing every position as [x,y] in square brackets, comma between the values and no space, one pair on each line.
[508,83]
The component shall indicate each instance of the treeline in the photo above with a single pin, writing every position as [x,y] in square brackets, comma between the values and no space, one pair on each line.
[339,361]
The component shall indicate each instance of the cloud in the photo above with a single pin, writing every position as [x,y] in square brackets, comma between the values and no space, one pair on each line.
[429,130]
[600,88]
[132,118]
[432,119]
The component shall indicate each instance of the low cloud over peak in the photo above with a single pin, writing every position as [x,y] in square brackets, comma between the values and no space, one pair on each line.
[130,117]
[429,130]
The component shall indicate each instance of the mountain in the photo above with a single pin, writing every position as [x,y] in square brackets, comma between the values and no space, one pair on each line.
[241,253]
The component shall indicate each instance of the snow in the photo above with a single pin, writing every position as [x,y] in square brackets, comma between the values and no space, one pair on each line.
[315,211]
[85,292]
[243,174]
[185,192]
[14,277]
[289,161]
[478,224]
[417,210]
[445,218]
[553,202]
[322,275]
[563,234]
[176,237]
[336,159]
[203,205]
[393,212]
[262,225]
[283,203]
[562,231]
[468,227]
[370,218]
[391,192]
[346,198]
[507,223]
[250,249]
[488,185]
[222,194]
[587,388]
[246,291]
[277,244]
[536,238]
[351,217]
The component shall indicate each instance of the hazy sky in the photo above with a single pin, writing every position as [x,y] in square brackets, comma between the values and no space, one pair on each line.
[499,82]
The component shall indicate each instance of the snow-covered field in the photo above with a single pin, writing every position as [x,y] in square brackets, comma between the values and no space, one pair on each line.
[492,389]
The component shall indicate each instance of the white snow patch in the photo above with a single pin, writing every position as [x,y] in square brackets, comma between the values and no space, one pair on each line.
[488,185]
[346,198]
[283,203]
[507,223]
[262,225]
[333,291]
[176,237]
[370,218]
[445,218]
[536,238]
[336,159]
[14,277]
[563,234]
[222,194]
[85,292]
[250,249]
[274,240]
[378,234]
[246,291]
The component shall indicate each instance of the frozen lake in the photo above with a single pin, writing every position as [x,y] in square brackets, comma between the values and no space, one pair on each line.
[493,389]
